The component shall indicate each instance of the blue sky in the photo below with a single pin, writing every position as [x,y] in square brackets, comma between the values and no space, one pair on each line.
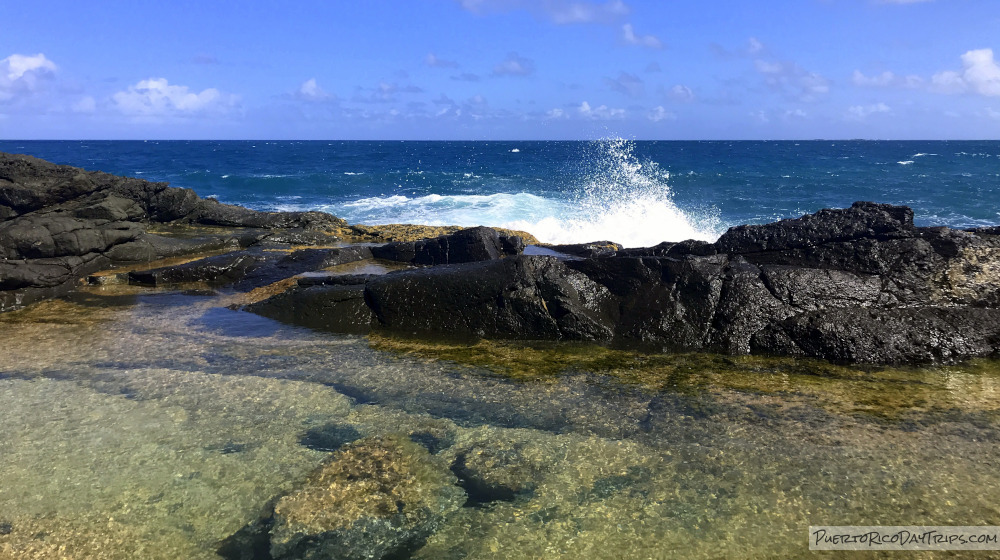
[500,69]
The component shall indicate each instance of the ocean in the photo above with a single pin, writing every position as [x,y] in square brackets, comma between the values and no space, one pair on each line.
[637,193]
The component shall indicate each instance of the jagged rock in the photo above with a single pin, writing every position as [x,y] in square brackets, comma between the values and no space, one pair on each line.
[889,336]
[82,218]
[791,287]
[589,250]
[861,284]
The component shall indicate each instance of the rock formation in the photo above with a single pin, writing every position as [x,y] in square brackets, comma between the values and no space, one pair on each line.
[858,285]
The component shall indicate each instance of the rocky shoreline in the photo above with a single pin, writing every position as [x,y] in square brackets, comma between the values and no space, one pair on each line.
[855,285]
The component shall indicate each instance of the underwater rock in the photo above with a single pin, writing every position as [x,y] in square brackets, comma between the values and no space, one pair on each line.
[378,497]
[492,469]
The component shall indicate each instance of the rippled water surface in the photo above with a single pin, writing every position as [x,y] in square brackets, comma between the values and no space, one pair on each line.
[140,423]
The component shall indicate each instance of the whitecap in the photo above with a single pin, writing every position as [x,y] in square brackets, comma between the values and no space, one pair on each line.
[907,162]
[515,151]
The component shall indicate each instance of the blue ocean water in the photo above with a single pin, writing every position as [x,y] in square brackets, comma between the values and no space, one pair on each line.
[634,192]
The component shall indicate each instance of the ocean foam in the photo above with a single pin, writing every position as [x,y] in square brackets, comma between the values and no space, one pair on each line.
[620,199]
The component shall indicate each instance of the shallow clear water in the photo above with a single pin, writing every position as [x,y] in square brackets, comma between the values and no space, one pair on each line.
[142,423]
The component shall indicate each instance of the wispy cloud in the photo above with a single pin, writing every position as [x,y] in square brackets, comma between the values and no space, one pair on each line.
[312,92]
[514,65]
[626,84]
[466,77]
[384,92]
[886,79]
[630,37]
[788,78]
[601,113]
[681,93]
[206,59]
[561,12]
[658,113]
[434,62]
[862,112]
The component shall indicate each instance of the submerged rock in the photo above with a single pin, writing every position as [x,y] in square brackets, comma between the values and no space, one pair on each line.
[378,497]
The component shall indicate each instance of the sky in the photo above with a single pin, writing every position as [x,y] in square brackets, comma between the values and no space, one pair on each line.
[500,69]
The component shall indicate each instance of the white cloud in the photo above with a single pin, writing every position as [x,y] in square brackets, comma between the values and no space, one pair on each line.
[795,114]
[602,112]
[658,114]
[760,116]
[992,113]
[681,93]
[22,74]
[514,65]
[434,62]
[980,74]
[884,79]
[754,46]
[861,112]
[311,91]
[556,114]
[630,37]
[18,65]
[561,12]
[887,79]
[156,97]
[626,84]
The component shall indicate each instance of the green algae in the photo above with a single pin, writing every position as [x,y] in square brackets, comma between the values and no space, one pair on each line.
[885,392]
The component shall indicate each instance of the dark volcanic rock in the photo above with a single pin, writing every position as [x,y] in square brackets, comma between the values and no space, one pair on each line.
[860,284]
[335,308]
[890,336]
[857,285]
[59,223]
[467,245]
[525,297]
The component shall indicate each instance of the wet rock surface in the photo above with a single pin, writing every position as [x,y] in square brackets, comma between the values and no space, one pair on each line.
[860,285]
[60,223]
